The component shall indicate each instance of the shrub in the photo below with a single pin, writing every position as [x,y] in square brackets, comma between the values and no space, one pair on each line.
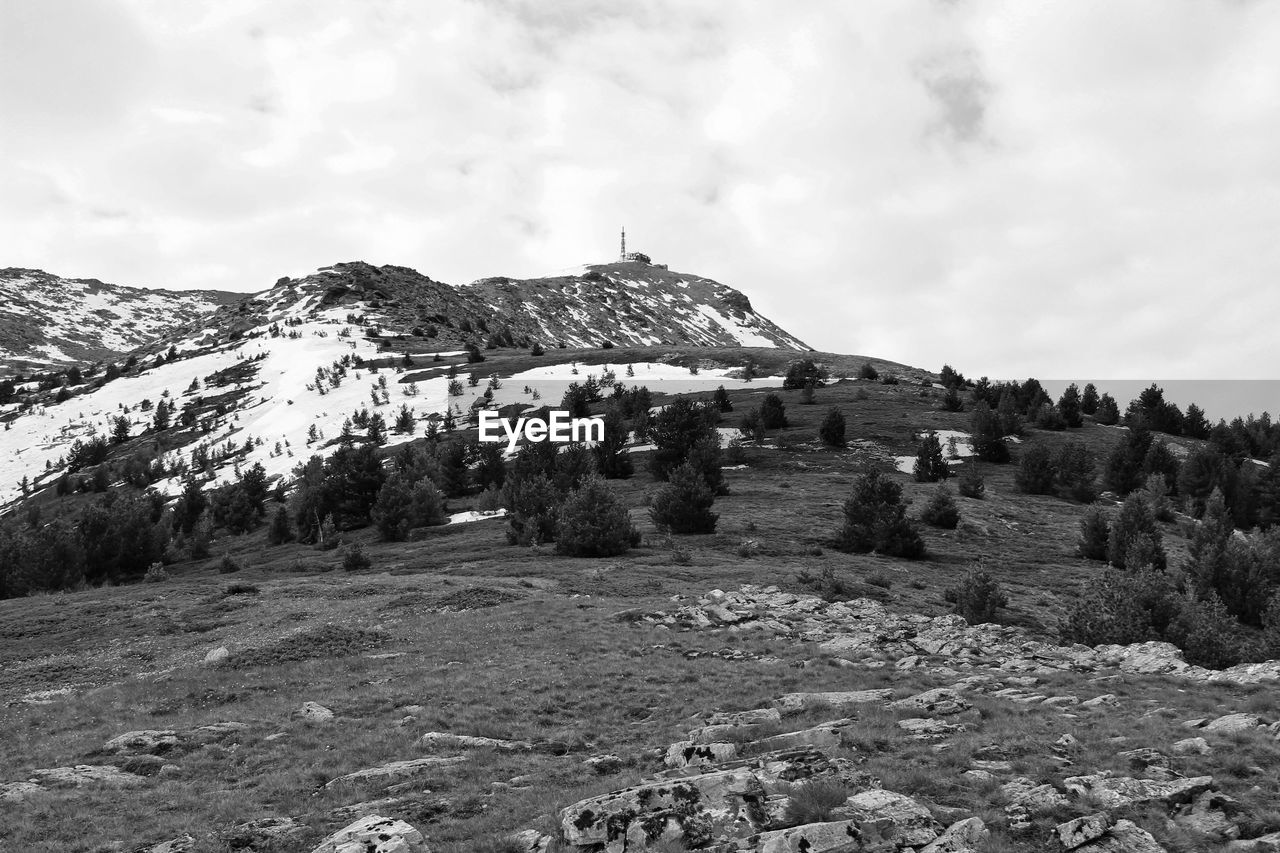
[1048,417]
[1107,413]
[156,573]
[612,458]
[1136,535]
[1209,636]
[734,453]
[867,371]
[941,510]
[674,431]
[806,395]
[875,520]
[1036,470]
[773,414]
[721,400]
[228,565]
[751,426]
[281,530]
[536,349]
[929,466]
[1094,534]
[951,401]
[592,522]
[977,598]
[971,482]
[813,800]
[1121,607]
[683,505]
[354,559]
[832,430]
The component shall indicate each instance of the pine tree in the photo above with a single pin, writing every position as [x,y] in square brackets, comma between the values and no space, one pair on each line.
[1074,472]
[941,510]
[875,520]
[930,466]
[1070,406]
[120,425]
[720,399]
[772,412]
[377,430]
[1036,470]
[978,598]
[683,505]
[404,421]
[832,430]
[533,504]
[592,522]
[751,426]
[1194,424]
[613,461]
[1136,534]
[1089,399]
[987,437]
[674,431]
[1107,413]
[1095,531]
[402,505]
[1124,467]
[1008,415]
[280,531]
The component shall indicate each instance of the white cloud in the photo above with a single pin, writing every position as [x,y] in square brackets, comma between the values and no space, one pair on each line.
[1066,188]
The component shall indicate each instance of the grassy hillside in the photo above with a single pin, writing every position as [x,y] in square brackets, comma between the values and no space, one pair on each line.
[460,632]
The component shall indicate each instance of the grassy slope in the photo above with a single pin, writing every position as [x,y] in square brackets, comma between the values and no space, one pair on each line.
[555,664]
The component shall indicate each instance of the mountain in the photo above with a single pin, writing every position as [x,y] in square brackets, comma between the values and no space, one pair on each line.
[626,303]
[270,378]
[47,321]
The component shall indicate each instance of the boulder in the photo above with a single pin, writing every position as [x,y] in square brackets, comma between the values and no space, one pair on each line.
[85,776]
[1082,830]
[963,836]
[217,655]
[839,836]
[737,726]
[603,765]
[1124,837]
[1192,746]
[375,834]
[1235,723]
[16,792]
[686,753]
[313,713]
[1026,795]
[927,728]
[822,737]
[143,742]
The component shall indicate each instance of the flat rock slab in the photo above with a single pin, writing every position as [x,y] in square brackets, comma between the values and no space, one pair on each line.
[143,742]
[1124,837]
[1082,830]
[839,836]
[1114,793]
[452,741]
[313,713]
[395,770]
[375,834]
[686,753]
[963,836]
[939,702]
[904,821]
[86,776]
[927,728]
[1235,723]
[16,792]
[797,703]
[737,726]
[724,804]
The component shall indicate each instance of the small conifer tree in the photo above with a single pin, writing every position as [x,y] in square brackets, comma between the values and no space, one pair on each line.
[832,430]
[930,466]
[592,522]
[683,505]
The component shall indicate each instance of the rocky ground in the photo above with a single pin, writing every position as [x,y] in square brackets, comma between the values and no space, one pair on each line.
[978,738]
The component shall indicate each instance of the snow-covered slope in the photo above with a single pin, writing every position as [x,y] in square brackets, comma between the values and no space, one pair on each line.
[47,321]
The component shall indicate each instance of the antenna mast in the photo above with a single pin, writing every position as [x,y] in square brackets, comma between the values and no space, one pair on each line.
[623,255]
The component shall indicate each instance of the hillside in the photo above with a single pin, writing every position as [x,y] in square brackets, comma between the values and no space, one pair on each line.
[51,322]
[748,689]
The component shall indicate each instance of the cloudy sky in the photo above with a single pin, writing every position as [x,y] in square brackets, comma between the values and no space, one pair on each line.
[1068,188]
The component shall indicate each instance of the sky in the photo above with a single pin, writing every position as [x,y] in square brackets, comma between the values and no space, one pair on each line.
[1069,188]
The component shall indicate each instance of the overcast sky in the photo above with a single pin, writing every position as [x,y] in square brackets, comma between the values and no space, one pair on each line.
[1060,189]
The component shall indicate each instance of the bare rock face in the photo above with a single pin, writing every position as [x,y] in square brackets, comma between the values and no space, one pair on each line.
[906,822]
[686,753]
[86,776]
[394,770]
[16,792]
[375,834]
[1124,837]
[1082,830]
[1235,723]
[736,726]
[313,713]
[144,742]
[452,741]
[840,836]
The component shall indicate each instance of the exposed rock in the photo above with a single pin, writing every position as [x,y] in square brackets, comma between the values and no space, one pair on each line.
[1113,793]
[603,764]
[1028,795]
[796,703]
[217,655]
[173,845]
[904,820]
[394,770]
[433,740]
[963,836]
[1269,843]
[1192,746]
[16,792]
[927,728]
[375,834]
[1124,837]
[686,753]
[722,805]
[738,726]
[313,713]
[821,737]
[86,775]
[265,833]
[143,742]
[1235,723]
[939,702]
[1209,815]
[840,836]
[532,841]
[1082,830]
